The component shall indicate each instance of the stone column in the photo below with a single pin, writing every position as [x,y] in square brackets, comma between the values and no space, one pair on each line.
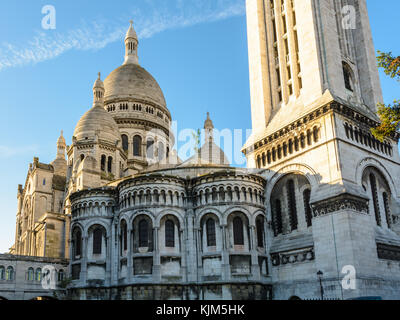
[225,267]
[109,239]
[156,256]
[255,269]
[84,259]
[183,241]
[129,264]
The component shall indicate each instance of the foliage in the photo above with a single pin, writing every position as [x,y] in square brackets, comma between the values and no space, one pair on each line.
[389,114]
[390,64]
[196,137]
[390,118]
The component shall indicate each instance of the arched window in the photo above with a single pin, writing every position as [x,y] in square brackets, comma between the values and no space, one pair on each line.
[30,275]
[169,234]
[77,243]
[303,141]
[348,81]
[296,144]
[309,137]
[269,157]
[38,274]
[125,142]
[82,157]
[238,236]
[97,241]
[61,275]
[374,192]
[259,162]
[263,160]
[307,208]
[292,204]
[2,273]
[387,209]
[137,146]
[124,236]
[150,149]
[143,234]
[10,274]
[211,237]
[260,233]
[103,163]
[316,134]
[109,166]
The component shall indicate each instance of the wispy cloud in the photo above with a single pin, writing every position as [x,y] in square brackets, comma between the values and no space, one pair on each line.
[9,152]
[154,17]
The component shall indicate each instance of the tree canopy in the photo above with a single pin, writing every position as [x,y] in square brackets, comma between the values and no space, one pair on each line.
[389,114]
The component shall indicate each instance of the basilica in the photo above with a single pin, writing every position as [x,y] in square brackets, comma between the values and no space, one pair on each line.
[135,222]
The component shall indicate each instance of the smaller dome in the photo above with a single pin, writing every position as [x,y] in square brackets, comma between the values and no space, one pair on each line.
[97,121]
[60,166]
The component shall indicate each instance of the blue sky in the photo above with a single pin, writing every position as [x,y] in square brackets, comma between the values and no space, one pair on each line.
[196,49]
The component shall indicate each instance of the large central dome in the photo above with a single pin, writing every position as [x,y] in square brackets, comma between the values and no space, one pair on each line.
[134,82]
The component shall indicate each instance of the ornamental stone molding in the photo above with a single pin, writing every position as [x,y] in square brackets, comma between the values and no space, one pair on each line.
[340,203]
[286,258]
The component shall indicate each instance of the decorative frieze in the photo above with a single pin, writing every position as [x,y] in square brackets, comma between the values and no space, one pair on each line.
[342,202]
[299,256]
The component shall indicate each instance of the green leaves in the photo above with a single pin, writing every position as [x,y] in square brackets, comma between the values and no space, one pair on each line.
[390,117]
[390,64]
[390,114]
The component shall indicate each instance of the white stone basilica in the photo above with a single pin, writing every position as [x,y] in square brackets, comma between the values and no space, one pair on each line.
[136,222]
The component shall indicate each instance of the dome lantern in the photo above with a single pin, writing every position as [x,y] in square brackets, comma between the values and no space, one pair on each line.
[131,46]
[98,92]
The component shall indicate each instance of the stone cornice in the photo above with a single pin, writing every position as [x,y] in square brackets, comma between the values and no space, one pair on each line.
[332,107]
[339,203]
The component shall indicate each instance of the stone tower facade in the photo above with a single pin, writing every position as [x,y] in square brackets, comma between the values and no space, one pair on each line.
[42,228]
[332,188]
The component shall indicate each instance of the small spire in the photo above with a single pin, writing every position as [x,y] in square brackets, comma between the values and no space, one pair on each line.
[131,45]
[98,92]
[209,128]
[208,124]
[61,145]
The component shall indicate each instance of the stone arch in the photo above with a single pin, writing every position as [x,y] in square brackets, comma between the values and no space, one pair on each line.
[227,213]
[205,211]
[97,222]
[302,169]
[167,212]
[131,218]
[255,215]
[371,162]
[286,211]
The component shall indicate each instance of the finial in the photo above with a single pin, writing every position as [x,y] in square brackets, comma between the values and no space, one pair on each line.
[208,115]
[131,22]
[62,133]
[99,75]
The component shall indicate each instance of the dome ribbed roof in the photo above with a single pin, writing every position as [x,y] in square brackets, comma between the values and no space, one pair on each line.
[133,81]
[97,120]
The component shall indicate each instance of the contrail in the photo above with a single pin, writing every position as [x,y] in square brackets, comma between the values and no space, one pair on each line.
[153,17]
